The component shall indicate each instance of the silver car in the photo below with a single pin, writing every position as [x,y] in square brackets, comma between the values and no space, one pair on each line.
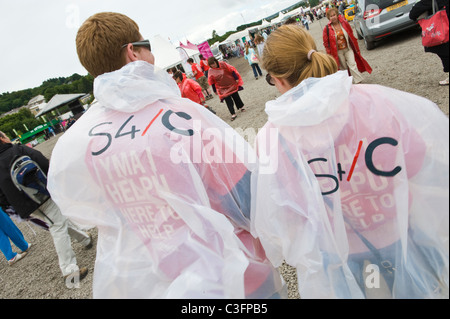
[377,19]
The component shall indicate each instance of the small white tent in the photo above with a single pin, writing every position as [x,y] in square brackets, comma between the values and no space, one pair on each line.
[278,19]
[299,11]
[264,24]
[239,35]
[167,55]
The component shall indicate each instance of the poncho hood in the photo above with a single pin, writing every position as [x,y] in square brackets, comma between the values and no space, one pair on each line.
[306,104]
[134,86]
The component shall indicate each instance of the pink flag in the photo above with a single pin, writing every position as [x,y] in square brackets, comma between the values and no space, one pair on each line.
[205,49]
[191,46]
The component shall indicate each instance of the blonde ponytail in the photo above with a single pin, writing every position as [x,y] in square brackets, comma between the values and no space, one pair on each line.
[286,56]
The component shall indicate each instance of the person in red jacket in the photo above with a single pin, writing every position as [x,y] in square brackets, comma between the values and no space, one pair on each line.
[226,82]
[190,89]
[339,42]
[200,77]
[204,65]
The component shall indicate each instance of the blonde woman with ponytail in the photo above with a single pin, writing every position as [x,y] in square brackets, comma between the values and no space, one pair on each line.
[295,59]
[352,187]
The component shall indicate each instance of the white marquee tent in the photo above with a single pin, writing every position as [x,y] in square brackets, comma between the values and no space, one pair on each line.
[239,35]
[278,19]
[264,24]
[299,11]
[167,55]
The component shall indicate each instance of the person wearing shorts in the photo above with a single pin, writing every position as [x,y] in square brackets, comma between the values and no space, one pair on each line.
[200,78]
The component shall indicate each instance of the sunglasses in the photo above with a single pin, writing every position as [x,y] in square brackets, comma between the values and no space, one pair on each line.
[143,43]
[269,79]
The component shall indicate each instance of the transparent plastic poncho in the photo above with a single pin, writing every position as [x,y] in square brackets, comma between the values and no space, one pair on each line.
[167,184]
[352,190]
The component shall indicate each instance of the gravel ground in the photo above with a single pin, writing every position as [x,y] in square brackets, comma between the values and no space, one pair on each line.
[398,62]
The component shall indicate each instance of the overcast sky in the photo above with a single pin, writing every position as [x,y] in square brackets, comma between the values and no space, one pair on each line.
[37,37]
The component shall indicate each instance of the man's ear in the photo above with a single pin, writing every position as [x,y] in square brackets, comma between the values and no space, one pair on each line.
[130,54]
[4,140]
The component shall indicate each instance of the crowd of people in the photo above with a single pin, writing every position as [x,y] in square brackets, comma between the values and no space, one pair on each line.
[347,182]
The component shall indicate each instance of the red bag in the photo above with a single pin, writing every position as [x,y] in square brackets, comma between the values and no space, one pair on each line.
[434,28]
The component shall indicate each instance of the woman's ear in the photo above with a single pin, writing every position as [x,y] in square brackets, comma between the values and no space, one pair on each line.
[281,84]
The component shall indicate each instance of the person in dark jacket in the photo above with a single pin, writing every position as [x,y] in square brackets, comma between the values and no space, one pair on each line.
[61,229]
[426,6]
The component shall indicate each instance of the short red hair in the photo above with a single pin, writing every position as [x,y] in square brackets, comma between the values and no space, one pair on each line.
[99,41]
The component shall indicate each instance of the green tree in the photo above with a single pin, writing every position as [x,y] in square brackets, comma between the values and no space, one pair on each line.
[49,93]
[72,84]
[313,3]
[16,121]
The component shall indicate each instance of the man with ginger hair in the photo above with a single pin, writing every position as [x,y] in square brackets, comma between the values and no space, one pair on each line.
[159,178]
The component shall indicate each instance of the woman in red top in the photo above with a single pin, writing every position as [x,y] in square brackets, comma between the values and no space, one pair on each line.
[190,89]
[339,42]
[226,82]
[204,65]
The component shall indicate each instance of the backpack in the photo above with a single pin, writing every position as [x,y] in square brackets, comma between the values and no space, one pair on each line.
[29,178]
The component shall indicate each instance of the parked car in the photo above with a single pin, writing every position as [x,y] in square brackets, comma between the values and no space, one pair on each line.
[349,13]
[377,19]
[217,53]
